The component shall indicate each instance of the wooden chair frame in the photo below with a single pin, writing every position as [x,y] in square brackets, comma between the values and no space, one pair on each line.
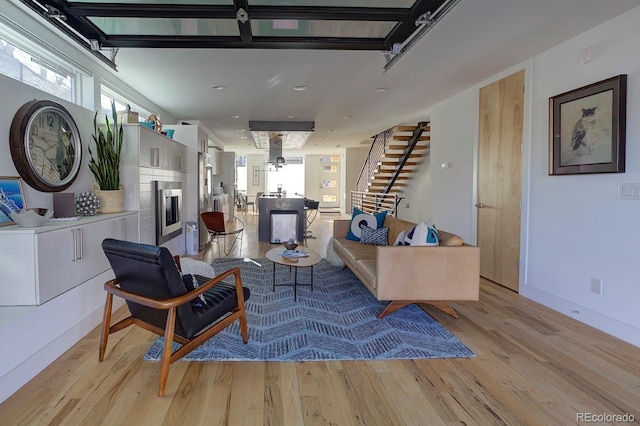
[171,305]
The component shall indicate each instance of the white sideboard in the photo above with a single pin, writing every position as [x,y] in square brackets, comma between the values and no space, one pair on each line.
[41,263]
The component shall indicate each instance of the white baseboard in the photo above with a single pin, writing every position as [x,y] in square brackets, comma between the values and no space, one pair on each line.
[619,329]
[41,334]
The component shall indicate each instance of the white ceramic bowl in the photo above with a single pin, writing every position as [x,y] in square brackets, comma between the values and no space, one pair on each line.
[31,218]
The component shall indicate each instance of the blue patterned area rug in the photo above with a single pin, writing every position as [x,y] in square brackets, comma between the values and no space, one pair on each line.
[335,321]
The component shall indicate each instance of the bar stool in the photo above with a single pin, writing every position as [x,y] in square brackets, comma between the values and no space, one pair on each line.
[310,213]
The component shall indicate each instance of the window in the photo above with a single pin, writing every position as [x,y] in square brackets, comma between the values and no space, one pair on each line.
[241,173]
[37,72]
[107,95]
[290,176]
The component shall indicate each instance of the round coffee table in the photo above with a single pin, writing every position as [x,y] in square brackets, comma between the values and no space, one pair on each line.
[275,255]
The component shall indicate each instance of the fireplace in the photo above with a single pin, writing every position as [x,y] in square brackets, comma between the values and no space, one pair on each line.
[168,202]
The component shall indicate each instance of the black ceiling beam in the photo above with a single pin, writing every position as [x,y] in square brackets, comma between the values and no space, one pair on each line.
[243,27]
[228,42]
[402,32]
[149,10]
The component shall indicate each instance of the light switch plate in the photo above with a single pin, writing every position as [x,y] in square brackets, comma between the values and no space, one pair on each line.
[629,191]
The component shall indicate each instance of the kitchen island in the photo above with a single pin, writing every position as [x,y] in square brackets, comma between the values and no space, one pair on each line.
[281,217]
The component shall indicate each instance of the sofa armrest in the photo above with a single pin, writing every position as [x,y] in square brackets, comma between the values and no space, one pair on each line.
[341,228]
[428,273]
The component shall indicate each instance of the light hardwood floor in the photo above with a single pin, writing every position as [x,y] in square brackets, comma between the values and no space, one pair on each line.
[533,366]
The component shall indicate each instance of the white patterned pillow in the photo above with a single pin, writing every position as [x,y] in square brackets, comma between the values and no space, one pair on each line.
[376,237]
[196,267]
[423,234]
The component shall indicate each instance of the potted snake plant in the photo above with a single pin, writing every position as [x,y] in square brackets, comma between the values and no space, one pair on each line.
[105,165]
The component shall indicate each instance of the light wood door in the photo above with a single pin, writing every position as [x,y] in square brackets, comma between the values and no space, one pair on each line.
[500,179]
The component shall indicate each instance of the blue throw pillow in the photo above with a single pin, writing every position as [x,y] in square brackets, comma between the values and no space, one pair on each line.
[376,237]
[360,218]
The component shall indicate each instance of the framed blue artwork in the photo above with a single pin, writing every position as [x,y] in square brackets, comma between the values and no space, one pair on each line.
[11,198]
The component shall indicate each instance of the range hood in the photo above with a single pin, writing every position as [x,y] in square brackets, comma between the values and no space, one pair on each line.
[279,135]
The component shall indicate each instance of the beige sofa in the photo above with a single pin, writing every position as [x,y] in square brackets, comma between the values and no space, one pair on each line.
[412,274]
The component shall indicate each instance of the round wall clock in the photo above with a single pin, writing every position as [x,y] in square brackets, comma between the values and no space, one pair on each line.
[45,145]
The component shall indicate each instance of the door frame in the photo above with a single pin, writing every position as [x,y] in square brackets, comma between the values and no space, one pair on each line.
[527,66]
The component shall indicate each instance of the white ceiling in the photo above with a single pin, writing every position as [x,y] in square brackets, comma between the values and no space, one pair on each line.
[476,40]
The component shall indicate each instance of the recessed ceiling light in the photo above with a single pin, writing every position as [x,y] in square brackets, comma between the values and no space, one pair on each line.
[235,117]
[218,87]
[300,88]
[290,117]
[331,130]
[240,130]
[347,117]
[381,89]
[243,137]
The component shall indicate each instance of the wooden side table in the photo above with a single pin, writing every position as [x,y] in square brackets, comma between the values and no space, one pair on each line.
[275,255]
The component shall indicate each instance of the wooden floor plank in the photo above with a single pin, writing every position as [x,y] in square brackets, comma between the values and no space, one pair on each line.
[532,366]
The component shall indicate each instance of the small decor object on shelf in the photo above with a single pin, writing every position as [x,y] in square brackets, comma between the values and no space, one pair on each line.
[32,217]
[157,124]
[128,116]
[87,204]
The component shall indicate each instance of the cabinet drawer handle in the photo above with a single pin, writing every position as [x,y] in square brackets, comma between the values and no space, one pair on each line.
[155,157]
[81,243]
[73,243]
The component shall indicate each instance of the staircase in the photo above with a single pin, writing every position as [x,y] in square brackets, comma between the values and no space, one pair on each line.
[394,155]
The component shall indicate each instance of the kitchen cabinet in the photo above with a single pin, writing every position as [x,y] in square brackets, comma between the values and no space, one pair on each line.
[41,263]
[158,151]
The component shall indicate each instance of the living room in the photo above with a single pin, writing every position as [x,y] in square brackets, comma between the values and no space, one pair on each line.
[563,244]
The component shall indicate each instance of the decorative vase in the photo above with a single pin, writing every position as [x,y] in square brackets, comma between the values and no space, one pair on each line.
[111,201]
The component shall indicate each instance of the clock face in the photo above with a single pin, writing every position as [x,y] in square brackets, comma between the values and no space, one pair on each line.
[45,145]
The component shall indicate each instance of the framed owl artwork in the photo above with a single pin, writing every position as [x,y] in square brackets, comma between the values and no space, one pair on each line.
[587,128]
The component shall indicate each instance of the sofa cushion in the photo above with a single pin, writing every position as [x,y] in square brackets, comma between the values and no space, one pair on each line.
[450,240]
[367,269]
[352,251]
[376,237]
[360,218]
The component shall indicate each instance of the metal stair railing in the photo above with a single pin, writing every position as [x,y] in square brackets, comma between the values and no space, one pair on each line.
[378,148]
[374,202]
[415,138]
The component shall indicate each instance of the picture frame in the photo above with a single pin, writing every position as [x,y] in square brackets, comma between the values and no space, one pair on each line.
[11,198]
[256,175]
[587,129]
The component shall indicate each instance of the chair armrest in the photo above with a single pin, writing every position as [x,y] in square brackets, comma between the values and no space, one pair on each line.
[341,228]
[112,287]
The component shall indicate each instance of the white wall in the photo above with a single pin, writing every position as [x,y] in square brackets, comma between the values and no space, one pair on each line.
[578,228]
[574,227]
[453,143]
